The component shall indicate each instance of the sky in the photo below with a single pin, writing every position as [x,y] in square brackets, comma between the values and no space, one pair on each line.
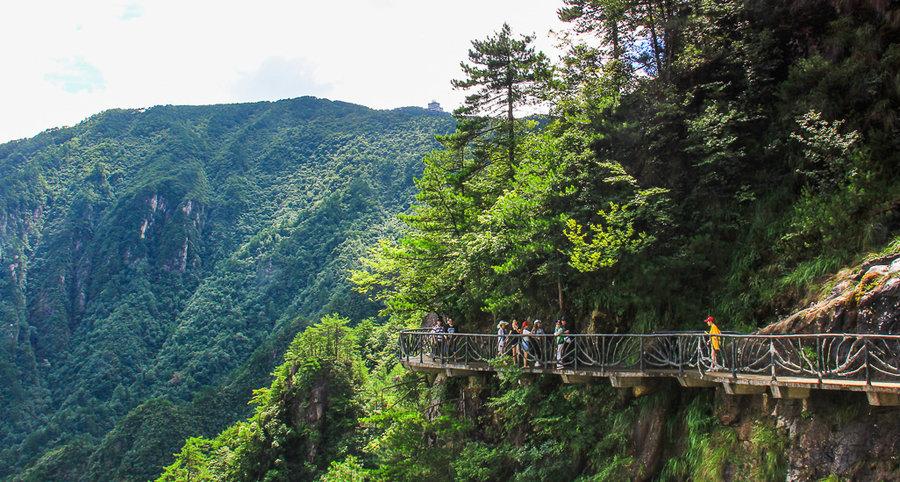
[67,60]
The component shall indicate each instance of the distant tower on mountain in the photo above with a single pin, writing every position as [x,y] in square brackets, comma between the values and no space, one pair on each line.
[434,106]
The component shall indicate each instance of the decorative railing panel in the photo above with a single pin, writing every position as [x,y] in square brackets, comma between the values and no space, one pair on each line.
[855,357]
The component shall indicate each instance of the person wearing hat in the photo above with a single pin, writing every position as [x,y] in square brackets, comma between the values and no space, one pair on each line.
[538,342]
[502,335]
[714,341]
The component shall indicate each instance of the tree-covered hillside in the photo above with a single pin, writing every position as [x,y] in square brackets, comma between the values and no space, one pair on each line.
[157,262]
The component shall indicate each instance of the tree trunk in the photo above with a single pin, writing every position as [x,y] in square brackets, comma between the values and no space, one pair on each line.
[617,50]
[651,22]
[559,291]
[510,120]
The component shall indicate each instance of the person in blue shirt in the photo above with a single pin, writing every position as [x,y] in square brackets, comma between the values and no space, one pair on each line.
[502,335]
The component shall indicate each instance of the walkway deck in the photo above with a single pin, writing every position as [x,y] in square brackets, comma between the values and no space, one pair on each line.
[787,366]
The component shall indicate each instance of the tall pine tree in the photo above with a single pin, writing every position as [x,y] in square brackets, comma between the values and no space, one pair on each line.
[504,72]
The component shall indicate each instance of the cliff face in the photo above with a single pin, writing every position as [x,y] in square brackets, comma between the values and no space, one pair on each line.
[839,434]
[831,433]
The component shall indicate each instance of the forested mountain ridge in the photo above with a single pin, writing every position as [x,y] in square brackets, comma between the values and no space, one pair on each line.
[170,254]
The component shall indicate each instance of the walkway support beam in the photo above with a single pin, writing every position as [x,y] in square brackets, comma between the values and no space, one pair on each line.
[732,388]
[879,399]
[790,392]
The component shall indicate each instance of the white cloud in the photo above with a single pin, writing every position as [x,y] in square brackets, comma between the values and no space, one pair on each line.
[76,75]
[280,78]
[380,53]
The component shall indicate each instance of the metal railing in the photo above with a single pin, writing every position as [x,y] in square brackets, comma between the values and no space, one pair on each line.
[828,356]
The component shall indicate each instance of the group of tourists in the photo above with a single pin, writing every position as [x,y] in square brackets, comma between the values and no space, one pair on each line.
[527,341]
[440,346]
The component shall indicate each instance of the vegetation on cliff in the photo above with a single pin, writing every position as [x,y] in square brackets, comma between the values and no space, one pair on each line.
[699,157]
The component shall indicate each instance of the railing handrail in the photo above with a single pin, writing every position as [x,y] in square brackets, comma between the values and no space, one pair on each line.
[889,336]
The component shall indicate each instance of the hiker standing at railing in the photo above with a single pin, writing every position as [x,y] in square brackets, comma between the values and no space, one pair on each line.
[537,348]
[502,336]
[713,340]
[450,340]
[515,340]
[437,339]
[560,336]
[526,342]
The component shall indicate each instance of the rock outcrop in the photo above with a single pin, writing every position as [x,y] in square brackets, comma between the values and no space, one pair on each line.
[864,299]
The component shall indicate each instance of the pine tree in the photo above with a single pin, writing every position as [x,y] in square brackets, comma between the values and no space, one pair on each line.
[503,72]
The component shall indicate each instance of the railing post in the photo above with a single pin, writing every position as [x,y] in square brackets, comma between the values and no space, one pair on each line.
[602,354]
[546,351]
[421,344]
[575,342]
[641,355]
[680,356]
[772,357]
[866,360]
[700,339]
[819,341]
[734,358]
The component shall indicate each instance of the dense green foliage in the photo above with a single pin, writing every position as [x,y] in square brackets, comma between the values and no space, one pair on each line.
[699,157]
[157,263]
[356,415]
[302,422]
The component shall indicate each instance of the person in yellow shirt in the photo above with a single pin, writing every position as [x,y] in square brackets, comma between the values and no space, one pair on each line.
[713,340]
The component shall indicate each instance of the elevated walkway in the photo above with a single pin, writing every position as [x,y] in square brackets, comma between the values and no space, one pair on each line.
[785,366]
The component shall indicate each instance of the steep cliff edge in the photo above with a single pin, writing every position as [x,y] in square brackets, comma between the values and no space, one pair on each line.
[705,434]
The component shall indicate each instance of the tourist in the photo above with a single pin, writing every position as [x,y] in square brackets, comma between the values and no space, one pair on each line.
[538,343]
[450,340]
[502,336]
[437,339]
[526,342]
[713,340]
[515,340]
[561,339]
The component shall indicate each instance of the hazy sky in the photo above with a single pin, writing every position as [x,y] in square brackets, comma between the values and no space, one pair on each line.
[66,60]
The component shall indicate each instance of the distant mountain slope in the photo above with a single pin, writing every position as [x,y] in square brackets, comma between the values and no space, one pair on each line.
[149,255]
